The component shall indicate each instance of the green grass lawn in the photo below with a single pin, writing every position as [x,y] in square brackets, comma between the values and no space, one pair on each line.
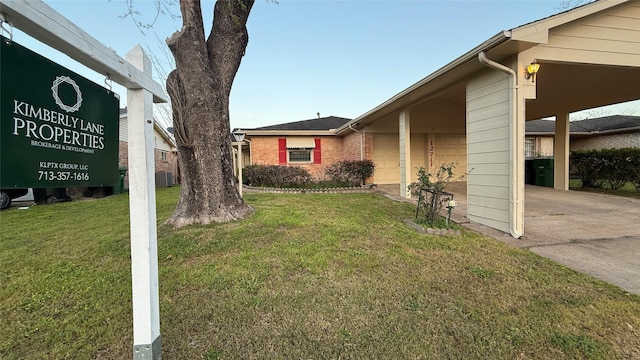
[308,276]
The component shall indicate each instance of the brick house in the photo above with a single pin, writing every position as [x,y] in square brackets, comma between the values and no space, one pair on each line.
[473,110]
[312,144]
[165,153]
[616,131]
[315,144]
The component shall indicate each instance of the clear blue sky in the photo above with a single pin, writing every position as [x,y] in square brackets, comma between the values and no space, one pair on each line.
[338,58]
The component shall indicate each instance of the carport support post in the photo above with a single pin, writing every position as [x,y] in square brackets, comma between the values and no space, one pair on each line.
[142,212]
[405,153]
[561,152]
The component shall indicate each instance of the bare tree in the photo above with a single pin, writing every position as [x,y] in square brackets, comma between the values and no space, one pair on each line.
[199,89]
[162,7]
[145,22]
[162,60]
[570,4]
[594,113]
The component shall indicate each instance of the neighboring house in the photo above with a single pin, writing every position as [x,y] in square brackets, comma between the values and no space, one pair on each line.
[312,144]
[608,132]
[165,153]
[473,110]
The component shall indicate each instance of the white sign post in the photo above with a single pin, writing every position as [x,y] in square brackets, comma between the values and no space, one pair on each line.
[142,212]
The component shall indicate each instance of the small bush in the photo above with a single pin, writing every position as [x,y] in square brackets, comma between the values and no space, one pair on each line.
[430,191]
[275,176]
[350,172]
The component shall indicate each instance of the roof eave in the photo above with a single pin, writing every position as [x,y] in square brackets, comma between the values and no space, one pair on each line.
[330,132]
[538,31]
[618,131]
[539,133]
[587,133]
[492,42]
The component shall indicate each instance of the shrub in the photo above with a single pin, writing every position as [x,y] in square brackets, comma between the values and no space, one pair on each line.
[584,166]
[634,170]
[429,189]
[275,176]
[614,167]
[351,172]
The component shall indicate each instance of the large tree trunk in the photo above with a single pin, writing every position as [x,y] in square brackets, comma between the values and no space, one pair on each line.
[199,88]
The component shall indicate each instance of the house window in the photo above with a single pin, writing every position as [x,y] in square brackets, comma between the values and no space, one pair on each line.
[299,150]
[163,155]
[529,147]
[300,155]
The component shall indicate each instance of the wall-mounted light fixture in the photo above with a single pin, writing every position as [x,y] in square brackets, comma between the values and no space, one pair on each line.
[531,71]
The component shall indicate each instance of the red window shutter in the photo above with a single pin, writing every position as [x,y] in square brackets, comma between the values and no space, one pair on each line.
[317,152]
[282,151]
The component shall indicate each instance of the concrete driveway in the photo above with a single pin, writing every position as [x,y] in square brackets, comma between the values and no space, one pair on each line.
[595,234]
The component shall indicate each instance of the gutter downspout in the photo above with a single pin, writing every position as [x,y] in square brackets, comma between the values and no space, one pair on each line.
[515,201]
[361,141]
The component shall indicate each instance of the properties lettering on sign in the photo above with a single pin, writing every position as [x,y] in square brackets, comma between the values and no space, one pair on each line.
[62,129]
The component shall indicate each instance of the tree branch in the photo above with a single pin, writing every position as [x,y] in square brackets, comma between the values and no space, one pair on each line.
[189,51]
[192,28]
[228,40]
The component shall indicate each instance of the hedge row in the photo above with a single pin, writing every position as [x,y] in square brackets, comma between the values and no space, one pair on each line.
[613,167]
[275,176]
[342,173]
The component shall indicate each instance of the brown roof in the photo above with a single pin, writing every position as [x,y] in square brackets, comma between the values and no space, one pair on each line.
[606,124]
[324,123]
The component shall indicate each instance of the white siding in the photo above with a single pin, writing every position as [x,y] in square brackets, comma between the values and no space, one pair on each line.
[123,130]
[161,143]
[612,37]
[488,144]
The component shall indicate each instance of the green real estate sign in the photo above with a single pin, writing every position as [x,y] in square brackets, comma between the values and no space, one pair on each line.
[57,128]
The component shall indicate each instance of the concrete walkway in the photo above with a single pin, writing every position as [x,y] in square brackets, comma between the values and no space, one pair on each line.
[595,234]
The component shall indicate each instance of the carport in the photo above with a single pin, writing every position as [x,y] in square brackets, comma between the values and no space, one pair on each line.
[472,111]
